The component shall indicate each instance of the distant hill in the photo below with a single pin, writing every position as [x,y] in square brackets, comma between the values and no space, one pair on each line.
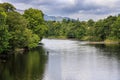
[49,18]
[20,11]
[54,18]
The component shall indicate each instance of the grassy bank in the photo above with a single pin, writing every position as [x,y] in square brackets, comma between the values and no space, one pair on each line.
[56,37]
[107,41]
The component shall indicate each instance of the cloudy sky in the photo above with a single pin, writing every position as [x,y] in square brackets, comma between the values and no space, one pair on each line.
[82,9]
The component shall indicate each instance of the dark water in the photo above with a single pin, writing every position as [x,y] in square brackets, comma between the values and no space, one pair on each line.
[67,60]
[27,66]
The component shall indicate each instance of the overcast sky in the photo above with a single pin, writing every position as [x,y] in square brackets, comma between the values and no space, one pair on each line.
[82,9]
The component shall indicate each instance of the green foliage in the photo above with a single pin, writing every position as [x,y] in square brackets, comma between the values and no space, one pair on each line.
[17,25]
[31,40]
[21,35]
[4,34]
[18,31]
[35,21]
[115,32]
[100,30]
[90,28]
[67,28]
[8,7]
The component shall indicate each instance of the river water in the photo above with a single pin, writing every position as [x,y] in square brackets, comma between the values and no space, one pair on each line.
[64,60]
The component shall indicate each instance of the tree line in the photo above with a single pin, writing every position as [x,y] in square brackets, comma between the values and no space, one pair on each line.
[20,30]
[26,30]
[107,29]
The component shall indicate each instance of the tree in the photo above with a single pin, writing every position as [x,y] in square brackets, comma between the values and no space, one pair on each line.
[16,24]
[30,40]
[35,21]
[115,30]
[90,23]
[108,22]
[4,34]
[21,36]
[7,7]
[18,31]
[99,31]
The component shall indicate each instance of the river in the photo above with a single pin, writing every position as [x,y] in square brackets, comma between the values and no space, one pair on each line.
[64,60]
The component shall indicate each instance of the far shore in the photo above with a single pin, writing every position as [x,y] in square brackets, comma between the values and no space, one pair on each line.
[88,42]
[103,42]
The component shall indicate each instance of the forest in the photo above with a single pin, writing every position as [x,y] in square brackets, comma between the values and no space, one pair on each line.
[107,29]
[27,29]
[20,30]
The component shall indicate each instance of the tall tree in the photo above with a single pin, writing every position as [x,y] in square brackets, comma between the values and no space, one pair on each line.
[21,36]
[4,34]
[108,22]
[35,21]
[7,7]
[115,32]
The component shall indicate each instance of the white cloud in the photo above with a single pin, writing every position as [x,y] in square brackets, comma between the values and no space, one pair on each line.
[69,2]
[86,16]
[105,3]
[83,9]
[22,6]
[1,1]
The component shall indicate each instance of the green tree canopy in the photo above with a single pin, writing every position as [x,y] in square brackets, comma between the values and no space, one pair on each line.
[35,21]
[7,7]
[4,34]
[21,36]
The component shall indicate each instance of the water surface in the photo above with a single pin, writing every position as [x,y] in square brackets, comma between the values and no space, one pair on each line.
[64,60]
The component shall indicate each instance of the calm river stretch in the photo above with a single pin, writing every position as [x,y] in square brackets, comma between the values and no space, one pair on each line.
[64,60]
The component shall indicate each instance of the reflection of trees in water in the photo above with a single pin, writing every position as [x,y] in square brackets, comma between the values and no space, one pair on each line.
[110,50]
[24,66]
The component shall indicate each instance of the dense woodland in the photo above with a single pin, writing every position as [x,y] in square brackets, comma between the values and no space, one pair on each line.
[26,30]
[20,30]
[102,30]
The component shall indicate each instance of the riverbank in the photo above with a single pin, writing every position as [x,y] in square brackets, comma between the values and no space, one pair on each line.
[56,37]
[5,55]
[103,42]
[89,42]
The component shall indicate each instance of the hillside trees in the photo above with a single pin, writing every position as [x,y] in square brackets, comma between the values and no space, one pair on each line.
[20,35]
[115,30]
[18,31]
[4,34]
[36,22]
[101,30]
[7,7]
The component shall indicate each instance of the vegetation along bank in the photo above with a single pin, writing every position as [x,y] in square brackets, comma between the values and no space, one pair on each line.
[20,30]
[103,31]
[24,31]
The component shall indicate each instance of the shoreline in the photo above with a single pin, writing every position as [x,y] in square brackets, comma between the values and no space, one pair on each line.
[103,42]
[88,42]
